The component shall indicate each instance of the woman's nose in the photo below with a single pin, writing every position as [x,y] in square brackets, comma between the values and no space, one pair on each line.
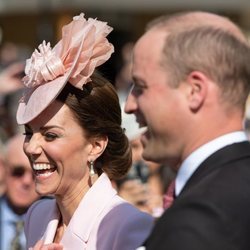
[32,145]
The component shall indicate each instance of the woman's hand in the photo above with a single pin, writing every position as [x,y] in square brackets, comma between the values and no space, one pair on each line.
[40,246]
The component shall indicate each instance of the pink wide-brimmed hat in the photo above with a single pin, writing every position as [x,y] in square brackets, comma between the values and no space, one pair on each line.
[83,47]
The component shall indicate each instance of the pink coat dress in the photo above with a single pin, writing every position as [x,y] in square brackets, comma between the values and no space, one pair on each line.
[102,221]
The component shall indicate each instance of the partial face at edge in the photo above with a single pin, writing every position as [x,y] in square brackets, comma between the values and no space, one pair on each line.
[20,185]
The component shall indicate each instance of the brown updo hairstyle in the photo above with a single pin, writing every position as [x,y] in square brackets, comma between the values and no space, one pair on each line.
[97,110]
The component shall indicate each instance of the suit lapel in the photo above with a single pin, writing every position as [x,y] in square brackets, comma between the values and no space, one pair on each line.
[217,160]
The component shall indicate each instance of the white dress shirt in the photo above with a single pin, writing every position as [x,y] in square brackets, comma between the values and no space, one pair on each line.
[193,161]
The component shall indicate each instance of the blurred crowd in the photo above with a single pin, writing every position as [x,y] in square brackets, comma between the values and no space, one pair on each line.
[17,187]
[12,59]
[144,186]
[146,182]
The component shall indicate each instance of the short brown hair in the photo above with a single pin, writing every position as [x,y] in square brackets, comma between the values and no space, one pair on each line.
[208,43]
[215,52]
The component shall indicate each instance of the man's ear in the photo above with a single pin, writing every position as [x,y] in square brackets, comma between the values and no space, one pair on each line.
[198,87]
[99,144]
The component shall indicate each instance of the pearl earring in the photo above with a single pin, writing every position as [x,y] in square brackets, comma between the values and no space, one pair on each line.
[91,168]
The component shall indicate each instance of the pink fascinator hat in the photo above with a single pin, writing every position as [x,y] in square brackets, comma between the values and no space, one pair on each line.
[83,47]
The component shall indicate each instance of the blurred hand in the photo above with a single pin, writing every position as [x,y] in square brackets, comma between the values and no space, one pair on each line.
[40,246]
[10,78]
[155,204]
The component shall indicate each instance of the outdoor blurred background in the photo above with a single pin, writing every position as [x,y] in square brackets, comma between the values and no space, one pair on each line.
[24,24]
[27,22]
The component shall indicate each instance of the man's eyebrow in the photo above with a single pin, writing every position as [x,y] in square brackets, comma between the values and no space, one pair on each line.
[138,80]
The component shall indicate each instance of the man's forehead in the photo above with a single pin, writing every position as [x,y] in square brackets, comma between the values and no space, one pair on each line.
[150,45]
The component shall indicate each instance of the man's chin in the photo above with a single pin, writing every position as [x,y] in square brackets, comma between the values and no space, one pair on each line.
[145,139]
[148,153]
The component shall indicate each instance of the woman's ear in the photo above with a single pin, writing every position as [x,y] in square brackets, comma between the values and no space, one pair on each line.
[98,146]
[198,83]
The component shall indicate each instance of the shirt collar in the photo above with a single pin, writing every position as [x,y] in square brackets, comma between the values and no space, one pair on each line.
[7,213]
[193,161]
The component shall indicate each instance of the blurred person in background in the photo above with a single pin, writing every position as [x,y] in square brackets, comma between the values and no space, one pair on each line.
[123,80]
[12,58]
[10,78]
[2,170]
[10,89]
[19,195]
[11,53]
[146,182]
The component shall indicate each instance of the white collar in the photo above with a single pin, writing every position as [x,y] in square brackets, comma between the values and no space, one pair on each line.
[193,161]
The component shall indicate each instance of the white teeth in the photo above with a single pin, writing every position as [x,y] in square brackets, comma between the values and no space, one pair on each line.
[45,174]
[42,166]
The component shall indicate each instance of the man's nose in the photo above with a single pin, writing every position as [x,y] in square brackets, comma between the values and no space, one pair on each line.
[130,105]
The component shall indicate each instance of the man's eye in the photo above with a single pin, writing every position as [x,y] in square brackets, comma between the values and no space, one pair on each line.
[137,89]
[50,136]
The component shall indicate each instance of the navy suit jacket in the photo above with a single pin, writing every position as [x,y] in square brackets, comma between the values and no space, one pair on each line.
[213,210]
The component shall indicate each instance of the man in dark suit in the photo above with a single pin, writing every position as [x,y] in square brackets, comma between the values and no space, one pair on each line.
[191,76]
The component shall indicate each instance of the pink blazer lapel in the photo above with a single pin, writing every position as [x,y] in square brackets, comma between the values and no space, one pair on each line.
[71,241]
[50,232]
